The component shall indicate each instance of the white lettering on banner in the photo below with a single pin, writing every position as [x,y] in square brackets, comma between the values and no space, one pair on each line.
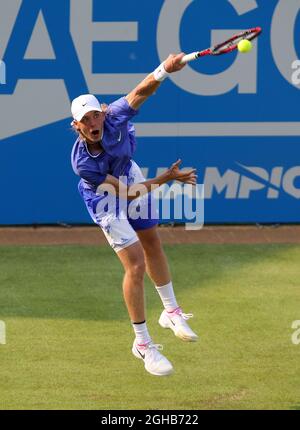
[53,90]
[243,71]
[85,32]
[8,15]
[236,185]
[288,182]
[282,36]
[275,179]
[227,182]
[241,186]
[248,185]
[40,46]
[244,6]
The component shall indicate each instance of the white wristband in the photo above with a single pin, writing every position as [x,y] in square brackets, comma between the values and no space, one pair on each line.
[160,73]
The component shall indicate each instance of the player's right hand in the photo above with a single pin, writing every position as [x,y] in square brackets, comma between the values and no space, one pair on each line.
[173,63]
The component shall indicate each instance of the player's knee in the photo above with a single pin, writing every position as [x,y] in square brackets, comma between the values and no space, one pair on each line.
[137,268]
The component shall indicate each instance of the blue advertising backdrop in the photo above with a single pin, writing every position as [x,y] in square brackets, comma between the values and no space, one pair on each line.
[234,117]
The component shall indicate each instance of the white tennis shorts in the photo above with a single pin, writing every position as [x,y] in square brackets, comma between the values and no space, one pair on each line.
[120,228]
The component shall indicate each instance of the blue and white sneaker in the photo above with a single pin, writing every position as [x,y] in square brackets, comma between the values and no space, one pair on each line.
[155,362]
[176,321]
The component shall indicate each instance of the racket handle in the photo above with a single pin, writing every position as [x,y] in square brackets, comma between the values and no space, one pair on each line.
[189,57]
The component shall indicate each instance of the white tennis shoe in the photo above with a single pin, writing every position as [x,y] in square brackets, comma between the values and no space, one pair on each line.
[176,321]
[155,362]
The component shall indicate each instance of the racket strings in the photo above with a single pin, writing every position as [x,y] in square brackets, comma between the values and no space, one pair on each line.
[232,43]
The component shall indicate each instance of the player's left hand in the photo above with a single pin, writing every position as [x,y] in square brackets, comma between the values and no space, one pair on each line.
[186,176]
[172,63]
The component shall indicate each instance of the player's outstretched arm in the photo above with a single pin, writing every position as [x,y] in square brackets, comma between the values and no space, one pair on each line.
[112,184]
[150,84]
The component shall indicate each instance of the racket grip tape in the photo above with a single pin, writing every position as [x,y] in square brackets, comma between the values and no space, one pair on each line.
[189,57]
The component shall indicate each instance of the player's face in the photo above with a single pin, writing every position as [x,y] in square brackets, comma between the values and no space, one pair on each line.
[91,126]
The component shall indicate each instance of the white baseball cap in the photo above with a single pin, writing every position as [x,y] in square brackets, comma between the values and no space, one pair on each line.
[84,104]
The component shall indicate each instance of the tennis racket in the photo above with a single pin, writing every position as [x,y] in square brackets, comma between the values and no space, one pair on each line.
[225,47]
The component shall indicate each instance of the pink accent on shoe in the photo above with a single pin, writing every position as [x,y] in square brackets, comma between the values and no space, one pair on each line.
[176,311]
[142,345]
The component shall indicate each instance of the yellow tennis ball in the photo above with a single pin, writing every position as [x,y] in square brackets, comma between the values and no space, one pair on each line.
[244,46]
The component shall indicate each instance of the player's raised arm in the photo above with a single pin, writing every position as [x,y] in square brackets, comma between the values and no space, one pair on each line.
[149,85]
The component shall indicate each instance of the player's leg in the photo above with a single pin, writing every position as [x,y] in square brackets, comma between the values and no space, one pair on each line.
[124,241]
[158,270]
[144,221]
[155,258]
[133,262]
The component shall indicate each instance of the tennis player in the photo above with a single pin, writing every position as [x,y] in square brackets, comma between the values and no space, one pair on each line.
[102,157]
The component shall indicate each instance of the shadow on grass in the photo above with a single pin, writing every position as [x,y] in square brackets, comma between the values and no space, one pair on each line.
[75,282]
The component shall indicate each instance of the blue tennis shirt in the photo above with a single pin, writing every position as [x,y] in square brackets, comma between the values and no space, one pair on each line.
[118,144]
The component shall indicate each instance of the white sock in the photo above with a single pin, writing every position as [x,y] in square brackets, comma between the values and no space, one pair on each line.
[141,333]
[166,293]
